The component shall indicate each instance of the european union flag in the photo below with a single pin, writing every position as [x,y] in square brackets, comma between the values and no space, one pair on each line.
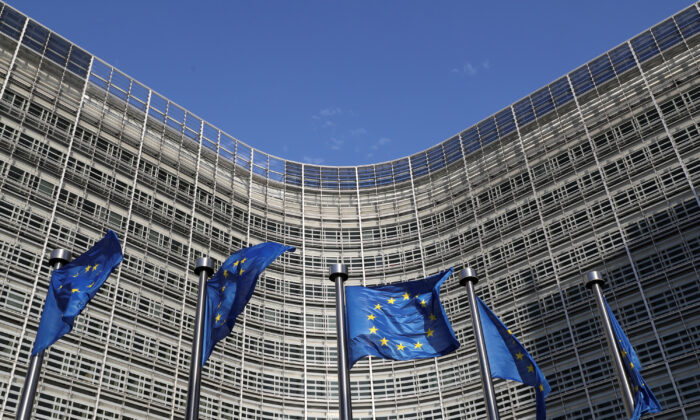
[508,359]
[230,289]
[644,399]
[401,321]
[71,288]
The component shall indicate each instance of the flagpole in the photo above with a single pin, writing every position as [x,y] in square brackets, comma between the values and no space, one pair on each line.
[338,274]
[204,267]
[469,279]
[57,259]
[594,281]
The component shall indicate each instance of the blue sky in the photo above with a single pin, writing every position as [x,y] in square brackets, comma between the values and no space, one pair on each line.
[346,83]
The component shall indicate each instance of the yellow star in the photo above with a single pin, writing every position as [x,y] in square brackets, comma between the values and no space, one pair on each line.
[422,303]
[91,284]
[76,274]
[60,287]
[519,356]
[373,330]
[385,341]
[225,273]
[417,296]
[400,347]
[391,301]
[241,272]
[223,288]
[432,317]
[378,307]
[624,353]
[430,332]
[418,345]
[218,317]
[235,264]
[541,388]
[632,365]
[370,317]
[510,332]
[636,388]
[74,290]
[94,267]
[218,306]
[530,368]
[406,296]
[243,260]
[87,268]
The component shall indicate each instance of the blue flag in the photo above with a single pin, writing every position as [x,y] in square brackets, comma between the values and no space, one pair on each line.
[230,289]
[71,288]
[644,399]
[401,321]
[508,359]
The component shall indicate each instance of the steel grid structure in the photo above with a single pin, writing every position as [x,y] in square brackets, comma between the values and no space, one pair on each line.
[597,170]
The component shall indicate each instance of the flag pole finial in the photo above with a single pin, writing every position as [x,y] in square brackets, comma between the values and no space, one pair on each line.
[593,277]
[338,270]
[204,263]
[59,255]
[468,274]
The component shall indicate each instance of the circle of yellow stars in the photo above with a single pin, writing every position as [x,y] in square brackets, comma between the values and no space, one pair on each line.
[400,346]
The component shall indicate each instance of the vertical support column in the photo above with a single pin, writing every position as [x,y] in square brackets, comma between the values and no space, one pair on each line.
[338,274]
[468,278]
[303,291]
[58,258]
[364,281]
[204,267]
[594,281]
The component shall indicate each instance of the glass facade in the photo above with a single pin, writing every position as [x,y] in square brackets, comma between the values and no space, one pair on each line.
[596,171]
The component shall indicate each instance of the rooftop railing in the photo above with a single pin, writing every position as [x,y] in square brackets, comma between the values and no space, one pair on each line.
[672,31]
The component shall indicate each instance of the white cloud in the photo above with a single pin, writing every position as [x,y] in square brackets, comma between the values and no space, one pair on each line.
[329,124]
[358,131]
[313,160]
[381,142]
[336,143]
[471,70]
[329,112]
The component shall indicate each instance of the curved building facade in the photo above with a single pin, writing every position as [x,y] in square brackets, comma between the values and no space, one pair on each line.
[597,170]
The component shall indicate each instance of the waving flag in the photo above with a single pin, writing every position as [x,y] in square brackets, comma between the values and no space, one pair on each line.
[401,321]
[508,359]
[644,399]
[230,289]
[71,288]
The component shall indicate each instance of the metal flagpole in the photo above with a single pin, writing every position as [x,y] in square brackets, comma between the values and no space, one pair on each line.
[58,258]
[594,281]
[338,274]
[204,268]
[469,279]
